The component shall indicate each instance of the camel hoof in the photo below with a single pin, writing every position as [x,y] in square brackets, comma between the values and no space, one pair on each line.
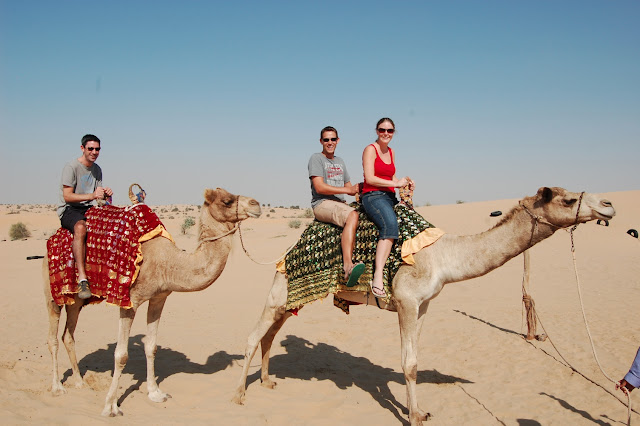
[158,396]
[112,411]
[238,398]
[269,384]
[58,390]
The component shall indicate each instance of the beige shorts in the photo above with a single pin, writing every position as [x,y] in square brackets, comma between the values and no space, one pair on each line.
[333,212]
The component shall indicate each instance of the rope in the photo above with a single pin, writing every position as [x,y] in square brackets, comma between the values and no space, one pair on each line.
[263,263]
[532,313]
[230,231]
[586,324]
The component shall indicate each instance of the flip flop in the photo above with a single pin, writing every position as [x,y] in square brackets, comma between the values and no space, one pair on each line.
[355,274]
[381,296]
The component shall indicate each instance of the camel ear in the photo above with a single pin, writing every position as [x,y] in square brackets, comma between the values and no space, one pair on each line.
[210,196]
[545,194]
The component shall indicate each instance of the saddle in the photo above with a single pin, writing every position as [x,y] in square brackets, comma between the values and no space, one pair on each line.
[314,266]
[113,253]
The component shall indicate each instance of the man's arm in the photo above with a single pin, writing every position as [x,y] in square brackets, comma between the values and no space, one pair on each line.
[324,188]
[72,197]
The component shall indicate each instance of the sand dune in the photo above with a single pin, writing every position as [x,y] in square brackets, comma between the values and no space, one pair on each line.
[474,366]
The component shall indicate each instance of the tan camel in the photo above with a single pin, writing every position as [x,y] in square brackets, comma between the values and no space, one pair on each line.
[164,269]
[450,259]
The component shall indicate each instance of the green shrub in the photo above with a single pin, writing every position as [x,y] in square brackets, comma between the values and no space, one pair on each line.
[19,231]
[295,223]
[188,223]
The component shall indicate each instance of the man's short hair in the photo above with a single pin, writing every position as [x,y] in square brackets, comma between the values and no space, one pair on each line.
[89,138]
[328,129]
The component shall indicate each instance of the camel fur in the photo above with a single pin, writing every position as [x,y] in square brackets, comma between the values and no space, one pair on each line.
[451,259]
[164,269]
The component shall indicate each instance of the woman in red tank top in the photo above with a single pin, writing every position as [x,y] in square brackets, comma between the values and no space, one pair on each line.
[379,196]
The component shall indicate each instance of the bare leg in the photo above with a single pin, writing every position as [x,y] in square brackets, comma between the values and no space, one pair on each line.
[153,319]
[79,247]
[383,249]
[273,316]
[120,356]
[348,241]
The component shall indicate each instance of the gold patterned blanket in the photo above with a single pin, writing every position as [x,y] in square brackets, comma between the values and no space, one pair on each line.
[314,266]
[113,254]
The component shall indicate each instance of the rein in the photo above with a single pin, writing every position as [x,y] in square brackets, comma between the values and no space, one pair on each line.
[573,227]
[237,228]
[539,219]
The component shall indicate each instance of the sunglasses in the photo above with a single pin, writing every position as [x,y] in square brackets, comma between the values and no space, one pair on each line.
[327,139]
[90,148]
[390,131]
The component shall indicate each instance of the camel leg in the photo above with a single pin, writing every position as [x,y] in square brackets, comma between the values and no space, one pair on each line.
[265,344]
[272,319]
[73,311]
[153,320]
[121,355]
[52,341]
[410,317]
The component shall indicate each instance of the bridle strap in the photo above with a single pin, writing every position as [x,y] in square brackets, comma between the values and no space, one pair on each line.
[230,231]
[538,219]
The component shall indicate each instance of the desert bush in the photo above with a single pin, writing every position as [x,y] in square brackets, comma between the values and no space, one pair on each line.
[175,209]
[459,201]
[188,223]
[308,213]
[295,223]
[19,231]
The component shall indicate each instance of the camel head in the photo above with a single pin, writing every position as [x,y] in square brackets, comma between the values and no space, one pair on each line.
[225,207]
[559,207]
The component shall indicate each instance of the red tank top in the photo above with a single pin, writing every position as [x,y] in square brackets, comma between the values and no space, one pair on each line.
[383,171]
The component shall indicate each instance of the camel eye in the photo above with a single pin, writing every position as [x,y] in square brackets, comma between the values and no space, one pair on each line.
[228,202]
[570,202]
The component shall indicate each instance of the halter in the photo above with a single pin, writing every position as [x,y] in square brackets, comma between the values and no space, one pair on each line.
[230,231]
[537,219]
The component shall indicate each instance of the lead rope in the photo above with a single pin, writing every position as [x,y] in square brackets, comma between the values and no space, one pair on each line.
[586,323]
[263,263]
[584,316]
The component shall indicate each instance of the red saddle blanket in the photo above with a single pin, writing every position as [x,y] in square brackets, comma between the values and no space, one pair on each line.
[113,255]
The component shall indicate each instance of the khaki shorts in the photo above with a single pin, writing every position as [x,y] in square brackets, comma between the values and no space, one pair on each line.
[335,212]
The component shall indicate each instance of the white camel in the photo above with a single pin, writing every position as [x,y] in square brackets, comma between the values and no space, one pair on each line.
[450,259]
[164,269]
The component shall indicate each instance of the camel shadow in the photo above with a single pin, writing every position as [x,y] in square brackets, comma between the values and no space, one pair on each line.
[168,362]
[305,360]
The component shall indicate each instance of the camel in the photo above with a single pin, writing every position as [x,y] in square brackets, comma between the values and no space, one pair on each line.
[164,269]
[450,259]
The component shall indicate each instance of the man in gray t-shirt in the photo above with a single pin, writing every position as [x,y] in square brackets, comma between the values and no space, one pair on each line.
[80,185]
[330,181]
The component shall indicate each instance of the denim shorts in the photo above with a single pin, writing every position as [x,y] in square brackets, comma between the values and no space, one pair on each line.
[379,207]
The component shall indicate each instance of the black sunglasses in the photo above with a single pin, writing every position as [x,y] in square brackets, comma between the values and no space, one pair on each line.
[90,148]
[327,139]
[390,131]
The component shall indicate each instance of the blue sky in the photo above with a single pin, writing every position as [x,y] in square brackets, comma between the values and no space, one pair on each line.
[491,99]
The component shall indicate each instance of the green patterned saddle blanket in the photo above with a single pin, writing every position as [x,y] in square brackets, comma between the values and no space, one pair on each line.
[314,265]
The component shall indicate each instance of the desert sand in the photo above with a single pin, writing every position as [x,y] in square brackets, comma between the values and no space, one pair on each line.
[334,369]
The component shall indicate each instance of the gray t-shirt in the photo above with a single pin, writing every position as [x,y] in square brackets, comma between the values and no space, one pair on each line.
[334,172]
[83,180]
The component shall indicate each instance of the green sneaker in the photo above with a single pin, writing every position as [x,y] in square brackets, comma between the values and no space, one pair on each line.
[84,292]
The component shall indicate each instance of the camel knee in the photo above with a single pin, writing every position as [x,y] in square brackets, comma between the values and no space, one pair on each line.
[121,358]
[410,369]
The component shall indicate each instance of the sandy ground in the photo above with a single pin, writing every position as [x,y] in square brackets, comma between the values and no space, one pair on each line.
[336,369]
